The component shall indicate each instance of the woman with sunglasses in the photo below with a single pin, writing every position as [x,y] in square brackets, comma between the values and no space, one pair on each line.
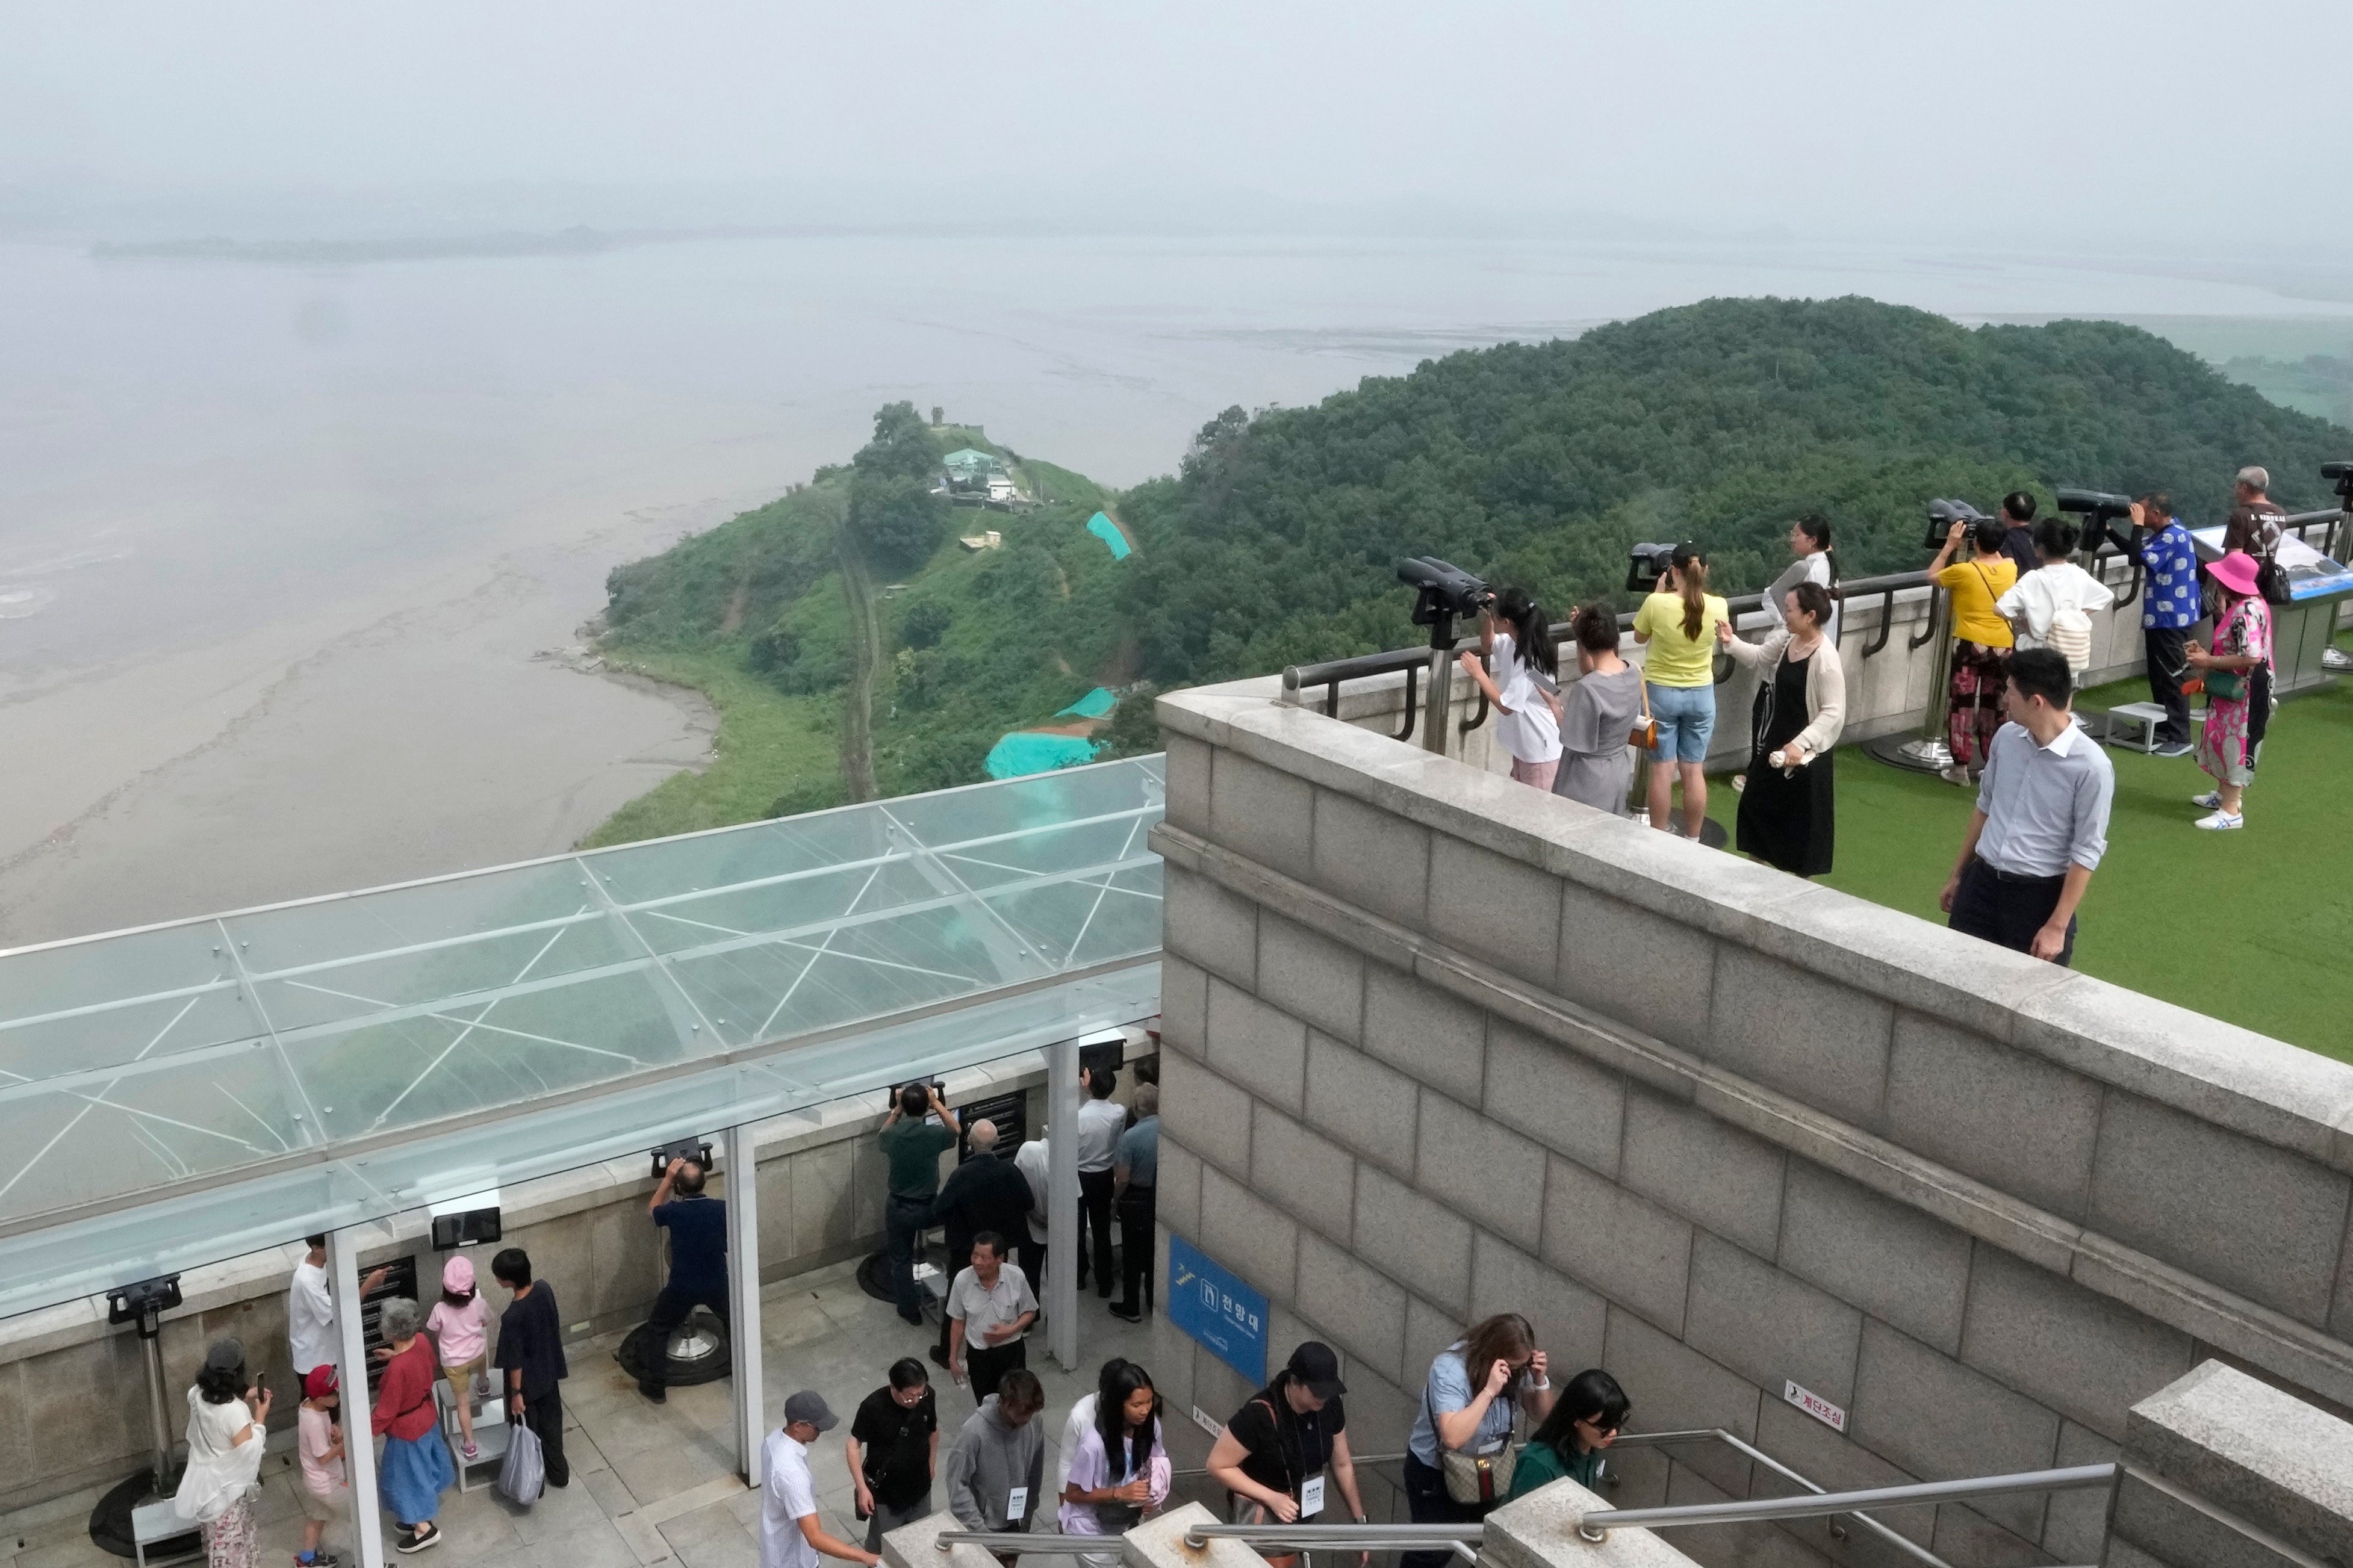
[1583,1421]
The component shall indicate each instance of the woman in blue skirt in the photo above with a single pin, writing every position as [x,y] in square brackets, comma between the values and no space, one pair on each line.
[415,1460]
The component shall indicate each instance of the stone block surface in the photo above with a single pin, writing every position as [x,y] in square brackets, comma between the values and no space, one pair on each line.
[1188,766]
[1726,1180]
[1421,1030]
[1412,1238]
[1624,1247]
[1501,911]
[1938,1419]
[1893,1261]
[1184,1007]
[823,1203]
[2082,1355]
[2252,1451]
[2270,1223]
[1261,1048]
[1249,1235]
[2177,1530]
[1539,1530]
[1427,1331]
[1312,1177]
[1568,1319]
[1676,1388]
[1479,1169]
[917,1545]
[2076,1523]
[1310,976]
[1361,1309]
[1965,1535]
[1263,812]
[1836,1464]
[1207,924]
[1557,1097]
[1176,1200]
[1804,1035]
[1639,968]
[1363,1103]
[1375,859]
[1206,1114]
[1159,1542]
[2016,1121]
[1768,1326]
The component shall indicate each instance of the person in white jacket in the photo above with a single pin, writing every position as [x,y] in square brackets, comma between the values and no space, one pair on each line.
[2051,606]
[1788,812]
[228,1428]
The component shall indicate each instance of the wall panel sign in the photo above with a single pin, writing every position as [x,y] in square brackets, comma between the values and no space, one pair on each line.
[1815,1405]
[1217,1310]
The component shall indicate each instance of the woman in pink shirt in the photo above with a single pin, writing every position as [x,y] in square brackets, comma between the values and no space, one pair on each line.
[460,1326]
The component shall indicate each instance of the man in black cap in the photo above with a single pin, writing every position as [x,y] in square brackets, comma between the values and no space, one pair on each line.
[1274,1455]
[790,1535]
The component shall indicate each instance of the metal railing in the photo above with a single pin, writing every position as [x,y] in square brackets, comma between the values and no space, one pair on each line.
[1463,1540]
[1331,674]
[1596,1526]
[1901,1543]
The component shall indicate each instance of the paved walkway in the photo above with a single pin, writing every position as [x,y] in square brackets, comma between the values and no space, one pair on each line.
[650,1484]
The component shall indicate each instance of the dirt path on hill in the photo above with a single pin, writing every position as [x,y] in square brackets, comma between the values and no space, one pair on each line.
[858,706]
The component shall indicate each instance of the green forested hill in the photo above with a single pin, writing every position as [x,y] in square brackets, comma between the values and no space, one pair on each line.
[1276,541]
[1717,422]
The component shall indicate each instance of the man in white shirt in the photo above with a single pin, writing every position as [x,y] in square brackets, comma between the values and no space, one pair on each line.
[1030,1160]
[1101,1122]
[990,1307]
[790,1535]
[311,1330]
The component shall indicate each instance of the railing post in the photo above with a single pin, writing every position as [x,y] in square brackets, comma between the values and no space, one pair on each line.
[1061,1293]
[1435,703]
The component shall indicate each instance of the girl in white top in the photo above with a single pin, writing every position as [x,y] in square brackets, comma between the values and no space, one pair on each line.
[1514,633]
[2051,606]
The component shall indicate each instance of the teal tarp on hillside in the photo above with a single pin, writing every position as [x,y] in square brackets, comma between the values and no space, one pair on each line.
[1023,752]
[1093,705]
[1107,531]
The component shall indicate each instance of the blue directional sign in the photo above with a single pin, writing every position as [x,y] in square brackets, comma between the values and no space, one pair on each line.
[1217,1309]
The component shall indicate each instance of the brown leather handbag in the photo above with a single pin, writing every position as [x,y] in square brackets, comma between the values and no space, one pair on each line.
[1646,733]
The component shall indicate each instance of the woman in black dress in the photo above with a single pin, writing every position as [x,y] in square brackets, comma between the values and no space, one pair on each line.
[1787,815]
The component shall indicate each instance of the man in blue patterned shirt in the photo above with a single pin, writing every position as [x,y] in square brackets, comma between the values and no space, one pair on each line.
[2170,605]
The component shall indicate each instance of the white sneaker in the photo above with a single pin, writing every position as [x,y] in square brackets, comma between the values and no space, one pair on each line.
[2211,800]
[2221,821]
[1956,776]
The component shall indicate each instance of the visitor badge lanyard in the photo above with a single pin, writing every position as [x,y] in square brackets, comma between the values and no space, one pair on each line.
[1016,1505]
[1310,1496]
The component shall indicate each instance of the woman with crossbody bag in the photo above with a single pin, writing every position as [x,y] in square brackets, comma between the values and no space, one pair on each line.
[417,1466]
[1599,716]
[1458,1462]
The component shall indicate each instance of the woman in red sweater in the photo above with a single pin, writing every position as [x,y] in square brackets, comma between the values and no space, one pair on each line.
[415,1460]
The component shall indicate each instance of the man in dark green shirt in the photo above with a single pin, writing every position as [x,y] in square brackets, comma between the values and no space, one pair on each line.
[911,1145]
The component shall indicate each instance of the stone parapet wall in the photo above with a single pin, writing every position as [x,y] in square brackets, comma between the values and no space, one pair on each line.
[1440,1046]
[73,1399]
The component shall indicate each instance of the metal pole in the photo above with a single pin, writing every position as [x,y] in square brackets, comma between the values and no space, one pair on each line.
[1062,1202]
[1441,694]
[1597,1524]
[351,1379]
[150,1344]
[744,1301]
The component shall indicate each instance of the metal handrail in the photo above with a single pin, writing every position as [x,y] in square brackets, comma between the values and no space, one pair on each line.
[1596,1526]
[1309,1537]
[1901,1543]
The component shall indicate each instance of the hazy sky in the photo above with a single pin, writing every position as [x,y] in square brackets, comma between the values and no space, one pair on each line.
[2048,118]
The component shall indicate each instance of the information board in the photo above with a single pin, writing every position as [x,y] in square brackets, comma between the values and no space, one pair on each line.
[1217,1310]
[2310,574]
[1006,1112]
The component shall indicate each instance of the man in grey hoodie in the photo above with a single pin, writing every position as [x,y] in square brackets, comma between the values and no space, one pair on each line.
[995,1470]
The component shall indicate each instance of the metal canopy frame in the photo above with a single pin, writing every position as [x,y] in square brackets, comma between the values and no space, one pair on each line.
[184,1092]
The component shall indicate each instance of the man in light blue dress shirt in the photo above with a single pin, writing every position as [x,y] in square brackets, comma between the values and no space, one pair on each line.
[2170,605]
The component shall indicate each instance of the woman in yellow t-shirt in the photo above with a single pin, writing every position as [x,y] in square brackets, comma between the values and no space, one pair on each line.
[1677,627]
[1981,644]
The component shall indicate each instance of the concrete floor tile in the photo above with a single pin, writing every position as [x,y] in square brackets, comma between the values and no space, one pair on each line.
[612,1494]
[666,1471]
[710,1537]
[560,1511]
[598,1546]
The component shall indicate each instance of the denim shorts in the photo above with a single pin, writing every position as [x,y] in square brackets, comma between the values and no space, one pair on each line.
[1686,716]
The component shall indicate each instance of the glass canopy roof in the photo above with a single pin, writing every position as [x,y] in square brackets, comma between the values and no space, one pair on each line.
[186,1091]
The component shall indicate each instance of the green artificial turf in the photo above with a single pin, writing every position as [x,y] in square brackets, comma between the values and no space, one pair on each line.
[2254,926]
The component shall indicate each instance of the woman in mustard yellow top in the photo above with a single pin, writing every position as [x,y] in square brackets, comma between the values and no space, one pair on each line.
[1677,627]
[1981,645]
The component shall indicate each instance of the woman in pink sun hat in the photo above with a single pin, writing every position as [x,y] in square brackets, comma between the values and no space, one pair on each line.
[2238,676]
[460,1325]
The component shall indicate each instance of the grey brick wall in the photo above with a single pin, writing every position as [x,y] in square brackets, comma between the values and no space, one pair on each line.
[1442,1046]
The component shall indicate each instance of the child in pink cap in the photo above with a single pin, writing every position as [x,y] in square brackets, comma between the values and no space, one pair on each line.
[460,1326]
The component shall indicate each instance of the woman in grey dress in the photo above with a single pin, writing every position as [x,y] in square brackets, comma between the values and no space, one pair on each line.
[1597,714]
